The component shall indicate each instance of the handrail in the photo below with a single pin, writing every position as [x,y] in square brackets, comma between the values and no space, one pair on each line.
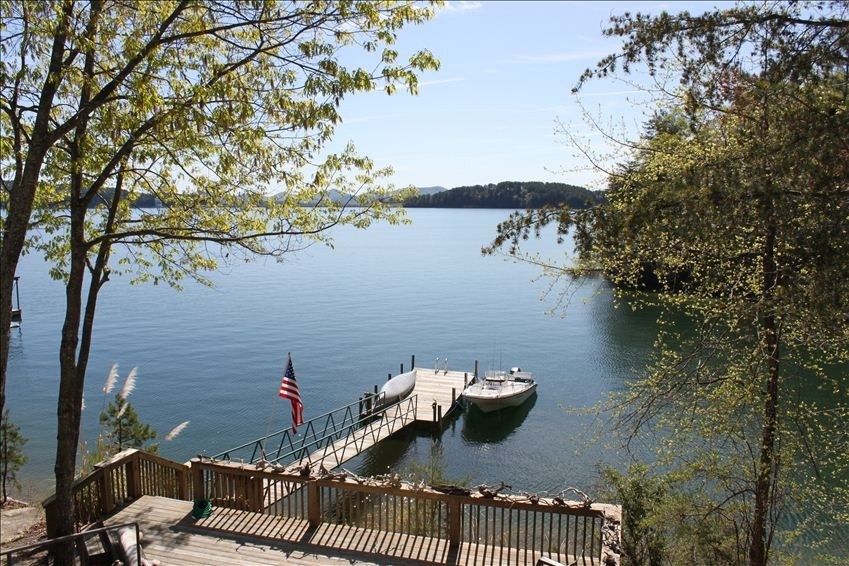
[124,477]
[510,523]
[7,554]
[317,432]
[519,524]
[351,438]
[224,455]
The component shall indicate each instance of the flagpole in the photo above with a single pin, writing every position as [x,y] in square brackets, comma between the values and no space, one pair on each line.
[268,429]
[270,418]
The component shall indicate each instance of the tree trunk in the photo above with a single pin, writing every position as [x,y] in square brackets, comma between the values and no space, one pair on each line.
[22,196]
[72,375]
[767,471]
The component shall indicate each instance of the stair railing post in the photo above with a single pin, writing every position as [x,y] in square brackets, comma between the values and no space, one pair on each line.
[107,494]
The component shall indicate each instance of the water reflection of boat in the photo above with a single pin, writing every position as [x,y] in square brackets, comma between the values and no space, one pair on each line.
[480,427]
[385,455]
[500,389]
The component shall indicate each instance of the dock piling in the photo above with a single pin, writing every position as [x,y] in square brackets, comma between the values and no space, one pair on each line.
[413,362]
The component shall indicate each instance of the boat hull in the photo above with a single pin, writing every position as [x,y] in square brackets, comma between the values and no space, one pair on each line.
[397,388]
[489,401]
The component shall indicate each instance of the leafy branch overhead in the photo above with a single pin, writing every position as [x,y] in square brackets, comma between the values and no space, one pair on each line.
[204,106]
[208,106]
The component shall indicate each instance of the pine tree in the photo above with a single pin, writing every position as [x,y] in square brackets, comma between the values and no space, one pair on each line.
[12,457]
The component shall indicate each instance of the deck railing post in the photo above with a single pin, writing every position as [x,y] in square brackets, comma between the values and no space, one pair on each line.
[314,503]
[455,510]
[183,483]
[133,477]
[197,479]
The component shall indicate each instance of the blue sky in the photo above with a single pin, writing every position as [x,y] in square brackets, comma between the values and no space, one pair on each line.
[489,114]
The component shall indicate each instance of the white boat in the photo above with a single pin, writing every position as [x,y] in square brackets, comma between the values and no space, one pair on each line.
[396,389]
[500,389]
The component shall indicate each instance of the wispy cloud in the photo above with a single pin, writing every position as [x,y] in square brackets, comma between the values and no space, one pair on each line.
[461,6]
[583,94]
[372,117]
[442,81]
[549,58]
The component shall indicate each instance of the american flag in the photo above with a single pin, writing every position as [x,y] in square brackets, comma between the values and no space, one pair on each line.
[289,390]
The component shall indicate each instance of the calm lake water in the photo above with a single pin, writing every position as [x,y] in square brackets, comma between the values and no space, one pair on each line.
[349,315]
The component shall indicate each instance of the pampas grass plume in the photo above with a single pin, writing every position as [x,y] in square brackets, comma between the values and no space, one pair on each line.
[129,384]
[122,410]
[111,379]
[175,432]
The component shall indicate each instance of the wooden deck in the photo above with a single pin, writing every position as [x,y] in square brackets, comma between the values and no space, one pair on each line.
[172,536]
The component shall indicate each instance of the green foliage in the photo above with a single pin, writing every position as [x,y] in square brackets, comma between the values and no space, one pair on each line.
[12,457]
[120,425]
[123,429]
[732,217]
[639,494]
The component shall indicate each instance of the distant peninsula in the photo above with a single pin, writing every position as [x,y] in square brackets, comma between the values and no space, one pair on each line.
[507,194]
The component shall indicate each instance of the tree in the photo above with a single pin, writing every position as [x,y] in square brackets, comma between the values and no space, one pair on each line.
[11,454]
[120,425]
[124,429]
[734,209]
[207,106]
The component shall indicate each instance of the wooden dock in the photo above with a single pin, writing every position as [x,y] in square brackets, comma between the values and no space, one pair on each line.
[437,394]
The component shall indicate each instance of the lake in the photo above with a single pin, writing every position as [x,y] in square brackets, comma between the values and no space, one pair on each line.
[349,316]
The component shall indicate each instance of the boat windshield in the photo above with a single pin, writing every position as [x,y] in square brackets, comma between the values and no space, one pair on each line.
[493,375]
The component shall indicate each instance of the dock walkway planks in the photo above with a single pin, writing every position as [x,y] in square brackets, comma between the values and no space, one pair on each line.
[172,536]
[437,385]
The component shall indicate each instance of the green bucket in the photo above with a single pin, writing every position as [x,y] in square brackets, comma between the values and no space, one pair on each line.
[202,509]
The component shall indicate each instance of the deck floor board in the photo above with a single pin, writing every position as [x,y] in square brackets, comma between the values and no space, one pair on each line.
[172,536]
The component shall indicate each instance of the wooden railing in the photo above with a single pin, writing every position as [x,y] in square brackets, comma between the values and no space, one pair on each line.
[511,526]
[115,482]
[508,528]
